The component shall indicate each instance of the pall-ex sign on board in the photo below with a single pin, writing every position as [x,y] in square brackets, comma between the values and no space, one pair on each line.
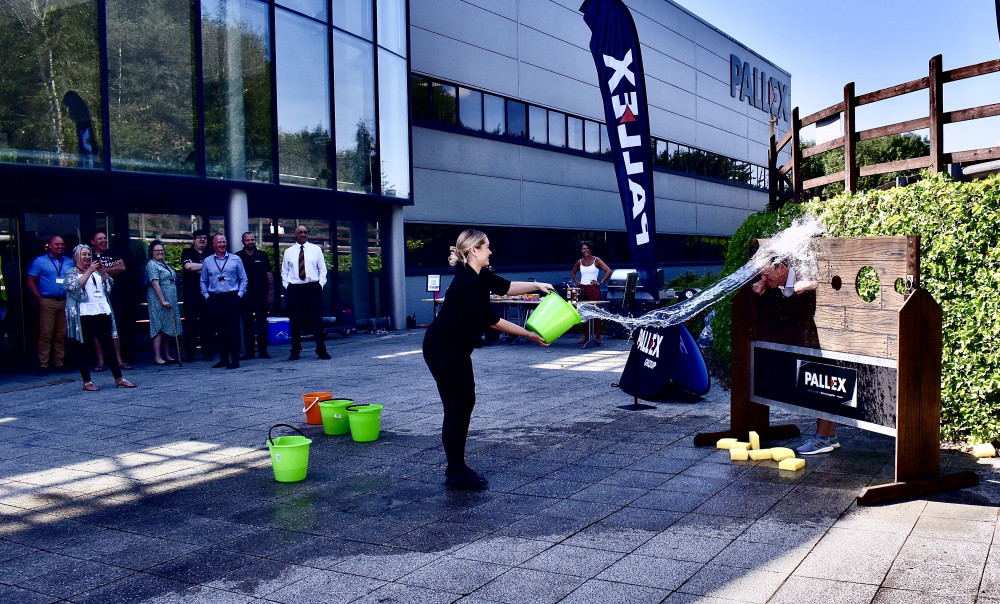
[827,381]
[755,86]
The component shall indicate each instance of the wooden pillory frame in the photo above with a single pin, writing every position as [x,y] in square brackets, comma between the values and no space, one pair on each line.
[889,349]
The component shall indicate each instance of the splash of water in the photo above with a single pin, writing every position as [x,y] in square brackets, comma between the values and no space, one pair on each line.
[790,247]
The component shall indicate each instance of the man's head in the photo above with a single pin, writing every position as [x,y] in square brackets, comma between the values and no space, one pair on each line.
[301,234]
[199,239]
[249,241]
[100,242]
[219,244]
[57,246]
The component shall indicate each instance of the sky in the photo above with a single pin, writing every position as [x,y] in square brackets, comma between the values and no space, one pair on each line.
[875,44]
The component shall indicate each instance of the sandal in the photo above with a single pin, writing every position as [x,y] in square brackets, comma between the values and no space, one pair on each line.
[90,387]
[99,368]
[123,383]
[125,366]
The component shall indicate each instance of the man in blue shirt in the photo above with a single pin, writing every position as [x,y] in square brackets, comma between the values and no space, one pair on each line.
[45,282]
[223,284]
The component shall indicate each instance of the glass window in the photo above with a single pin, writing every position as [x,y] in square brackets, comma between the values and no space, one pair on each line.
[516,117]
[574,133]
[303,101]
[236,62]
[557,129]
[354,98]
[310,8]
[592,137]
[354,16]
[661,158]
[493,111]
[153,125]
[420,88]
[444,103]
[394,131]
[605,143]
[537,127]
[392,25]
[50,86]
[470,106]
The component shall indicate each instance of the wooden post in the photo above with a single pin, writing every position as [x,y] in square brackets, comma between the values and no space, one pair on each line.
[796,156]
[850,143]
[772,173]
[935,90]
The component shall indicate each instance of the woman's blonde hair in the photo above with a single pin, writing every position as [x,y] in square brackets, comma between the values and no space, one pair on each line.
[469,239]
[79,248]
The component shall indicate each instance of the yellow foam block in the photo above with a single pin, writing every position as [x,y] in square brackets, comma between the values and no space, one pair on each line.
[780,453]
[791,464]
[739,445]
[724,443]
[738,454]
[984,450]
[759,454]
[754,440]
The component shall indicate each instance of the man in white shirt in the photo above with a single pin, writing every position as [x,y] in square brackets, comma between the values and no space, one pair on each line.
[303,275]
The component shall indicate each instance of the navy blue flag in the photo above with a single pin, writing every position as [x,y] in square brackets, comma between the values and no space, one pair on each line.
[615,46]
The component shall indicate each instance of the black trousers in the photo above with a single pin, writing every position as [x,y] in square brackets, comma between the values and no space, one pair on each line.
[225,313]
[457,387]
[306,300]
[95,326]
[253,312]
[197,326]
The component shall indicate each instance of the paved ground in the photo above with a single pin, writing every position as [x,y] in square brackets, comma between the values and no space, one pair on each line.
[166,494]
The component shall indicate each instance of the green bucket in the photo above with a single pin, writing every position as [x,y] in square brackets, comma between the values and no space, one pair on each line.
[289,455]
[553,317]
[365,422]
[335,415]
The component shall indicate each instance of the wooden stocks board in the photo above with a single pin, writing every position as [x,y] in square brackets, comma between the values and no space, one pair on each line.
[831,354]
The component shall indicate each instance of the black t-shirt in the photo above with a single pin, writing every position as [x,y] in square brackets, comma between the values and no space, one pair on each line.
[191,281]
[257,265]
[467,310]
[111,258]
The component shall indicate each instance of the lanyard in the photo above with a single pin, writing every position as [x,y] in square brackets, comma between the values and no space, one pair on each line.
[59,267]
[222,269]
[170,271]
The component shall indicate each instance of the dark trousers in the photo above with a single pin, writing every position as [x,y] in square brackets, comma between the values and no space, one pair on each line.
[95,326]
[225,312]
[457,386]
[253,312]
[306,300]
[197,326]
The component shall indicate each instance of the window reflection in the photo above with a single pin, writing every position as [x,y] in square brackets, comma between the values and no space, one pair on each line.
[516,125]
[310,8]
[592,137]
[151,78]
[444,103]
[50,110]
[420,89]
[574,133]
[392,25]
[470,106]
[354,90]
[303,101]
[494,114]
[237,82]
[354,16]
[557,129]
[537,125]
[394,131]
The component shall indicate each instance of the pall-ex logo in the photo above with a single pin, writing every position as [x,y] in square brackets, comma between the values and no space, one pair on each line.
[649,343]
[757,88]
[626,108]
[830,381]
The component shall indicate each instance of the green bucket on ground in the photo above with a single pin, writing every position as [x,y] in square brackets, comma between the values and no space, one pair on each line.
[289,455]
[365,422]
[553,317]
[335,415]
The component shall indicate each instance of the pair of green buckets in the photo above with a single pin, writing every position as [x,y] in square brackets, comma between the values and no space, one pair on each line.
[290,454]
[553,317]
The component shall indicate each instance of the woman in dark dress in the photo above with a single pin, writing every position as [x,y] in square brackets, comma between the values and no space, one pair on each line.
[454,333]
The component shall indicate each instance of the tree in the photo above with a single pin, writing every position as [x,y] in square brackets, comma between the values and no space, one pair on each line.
[874,151]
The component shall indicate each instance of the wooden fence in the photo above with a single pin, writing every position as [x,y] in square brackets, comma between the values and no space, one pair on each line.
[786,181]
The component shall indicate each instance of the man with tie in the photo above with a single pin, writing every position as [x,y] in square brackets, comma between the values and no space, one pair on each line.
[303,275]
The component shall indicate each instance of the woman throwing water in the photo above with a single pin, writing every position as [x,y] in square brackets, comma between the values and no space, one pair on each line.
[452,336]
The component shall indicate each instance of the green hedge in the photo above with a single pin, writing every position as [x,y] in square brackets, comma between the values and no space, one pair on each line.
[959,229]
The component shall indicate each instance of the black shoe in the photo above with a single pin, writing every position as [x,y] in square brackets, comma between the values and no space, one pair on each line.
[233,365]
[263,355]
[220,365]
[323,355]
[294,356]
[468,480]
[247,357]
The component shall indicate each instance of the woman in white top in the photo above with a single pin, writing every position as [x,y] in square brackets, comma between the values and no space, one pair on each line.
[88,314]
[590,282]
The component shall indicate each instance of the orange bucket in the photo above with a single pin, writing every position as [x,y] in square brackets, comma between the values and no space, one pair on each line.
[309,400]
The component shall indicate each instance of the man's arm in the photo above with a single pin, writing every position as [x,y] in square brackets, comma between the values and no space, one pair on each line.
[117,268]
[203,283]
[33,288]
[284,269]
[322,268]
[270,287]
